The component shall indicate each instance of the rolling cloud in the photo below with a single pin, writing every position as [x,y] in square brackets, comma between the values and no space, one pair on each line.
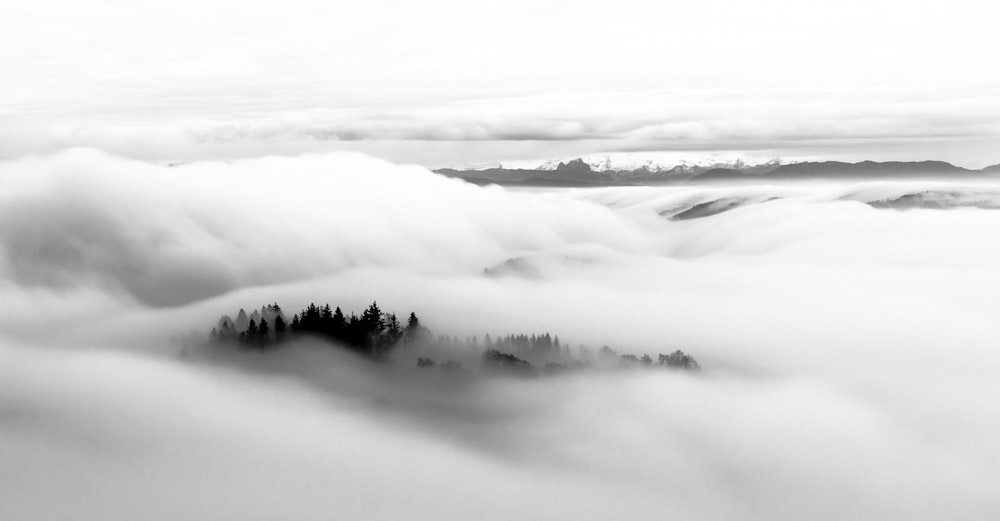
[832,125]
[849,349]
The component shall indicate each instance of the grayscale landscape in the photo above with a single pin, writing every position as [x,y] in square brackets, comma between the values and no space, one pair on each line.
[512,261]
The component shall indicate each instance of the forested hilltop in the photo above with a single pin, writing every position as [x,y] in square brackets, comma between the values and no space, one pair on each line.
[380,336]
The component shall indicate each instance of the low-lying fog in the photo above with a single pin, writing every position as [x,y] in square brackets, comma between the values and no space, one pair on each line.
[848,334]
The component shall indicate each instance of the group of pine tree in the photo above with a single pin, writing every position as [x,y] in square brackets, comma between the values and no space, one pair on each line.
[374,334]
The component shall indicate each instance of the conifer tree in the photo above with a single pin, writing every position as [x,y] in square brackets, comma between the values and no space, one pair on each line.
[392,327]
[326,320]
[263,331]
[372,321]
[339,323]
[279,326]
[242,320]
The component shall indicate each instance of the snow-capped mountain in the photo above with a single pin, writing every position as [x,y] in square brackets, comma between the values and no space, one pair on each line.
[634,165]
[640,166]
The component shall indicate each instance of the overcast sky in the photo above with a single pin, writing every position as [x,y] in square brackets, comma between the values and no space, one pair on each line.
[448,82]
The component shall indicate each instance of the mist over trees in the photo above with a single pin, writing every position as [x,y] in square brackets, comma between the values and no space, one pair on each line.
[373,333]
[380,336]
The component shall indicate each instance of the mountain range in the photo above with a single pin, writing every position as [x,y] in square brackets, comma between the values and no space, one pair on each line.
[578,172]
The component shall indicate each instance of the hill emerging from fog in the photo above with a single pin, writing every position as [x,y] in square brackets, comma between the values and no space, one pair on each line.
[580,173]
[379,336]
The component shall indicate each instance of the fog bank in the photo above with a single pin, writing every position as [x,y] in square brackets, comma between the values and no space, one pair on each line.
[847,331]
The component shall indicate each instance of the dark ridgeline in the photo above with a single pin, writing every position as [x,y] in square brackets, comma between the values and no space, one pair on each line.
[578,173]
[375,333]
[575,173]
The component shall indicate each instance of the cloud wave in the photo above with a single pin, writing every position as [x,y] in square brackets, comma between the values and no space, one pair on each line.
[849,350]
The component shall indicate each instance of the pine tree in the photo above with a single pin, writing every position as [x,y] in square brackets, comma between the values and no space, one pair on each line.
[372,320]
[338,319]
[263,331]
[326,320]
[310,320]
[279,327]
[242,320]
[413,322]
[393,331]
[392,325]
[250,335]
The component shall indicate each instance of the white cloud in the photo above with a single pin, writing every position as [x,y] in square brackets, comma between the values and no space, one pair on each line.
[849,350]
[151,81]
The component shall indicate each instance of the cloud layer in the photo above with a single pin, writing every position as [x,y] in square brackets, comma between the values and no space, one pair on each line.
[194,80]
[850,350]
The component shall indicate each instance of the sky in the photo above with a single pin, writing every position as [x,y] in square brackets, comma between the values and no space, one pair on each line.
[443,83]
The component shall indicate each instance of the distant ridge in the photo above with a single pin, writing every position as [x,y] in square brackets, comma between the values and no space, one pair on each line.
[836,169]
[572,173]
[579,173]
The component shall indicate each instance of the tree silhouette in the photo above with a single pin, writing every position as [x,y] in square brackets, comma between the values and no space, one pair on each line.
[371,318]
[279,326]
[393,331]
[679,360]
[326,320]
[374,333]
[242,321]
[339,324]
[263,331]
[498,359]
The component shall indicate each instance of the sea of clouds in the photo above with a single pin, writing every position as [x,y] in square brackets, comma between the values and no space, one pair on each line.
[848,333]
